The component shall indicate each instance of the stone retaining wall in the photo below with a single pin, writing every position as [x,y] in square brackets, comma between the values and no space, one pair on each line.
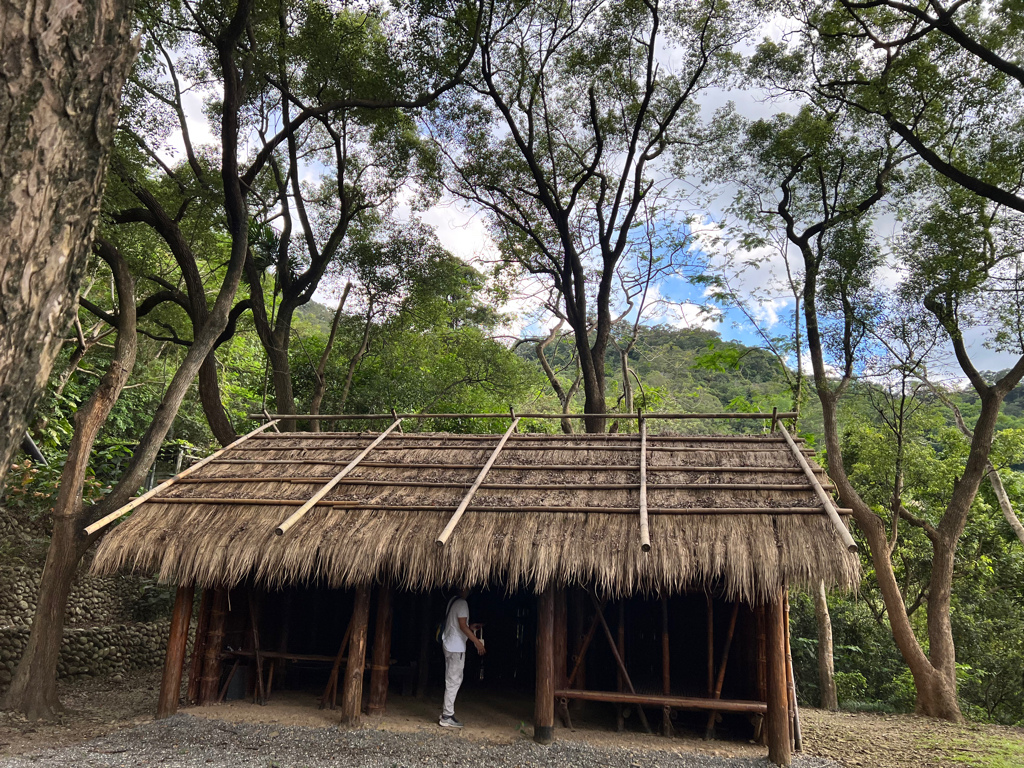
[93,651]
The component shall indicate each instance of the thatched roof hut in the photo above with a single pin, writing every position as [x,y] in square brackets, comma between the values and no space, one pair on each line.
[731,511]
[661,527]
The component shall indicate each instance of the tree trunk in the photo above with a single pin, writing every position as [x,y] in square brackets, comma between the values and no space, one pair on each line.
[34,688]
[58,102]
[1004,503]
[320,384]
[213,408]
[826,667]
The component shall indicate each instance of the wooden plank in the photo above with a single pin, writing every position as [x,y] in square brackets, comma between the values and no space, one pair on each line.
[174,661]
[301,511]
[544,701]
[676,702]
[457,515]
[213,500]
[645,527]
[826,500]
[103,522]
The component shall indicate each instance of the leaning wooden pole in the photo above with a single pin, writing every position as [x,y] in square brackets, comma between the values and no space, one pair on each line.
[352,693]
[381,659]
[645,528]
[301,511]
[103,522]
[177,642]
[457,515]
[823,497]
[544,702]
[794,705]
[777,717]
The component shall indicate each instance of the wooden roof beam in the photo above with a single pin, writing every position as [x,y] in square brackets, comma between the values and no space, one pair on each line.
[457,515]
[301,511]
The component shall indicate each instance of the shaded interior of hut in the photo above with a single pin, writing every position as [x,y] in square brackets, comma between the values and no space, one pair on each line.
[295,643]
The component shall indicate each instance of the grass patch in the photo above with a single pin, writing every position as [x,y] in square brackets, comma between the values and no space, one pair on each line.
[978,749]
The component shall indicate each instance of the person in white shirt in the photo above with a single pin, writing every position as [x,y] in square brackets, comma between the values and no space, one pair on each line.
[457,630]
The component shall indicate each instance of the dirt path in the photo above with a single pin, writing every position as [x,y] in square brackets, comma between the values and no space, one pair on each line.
[861,740]
[99,707]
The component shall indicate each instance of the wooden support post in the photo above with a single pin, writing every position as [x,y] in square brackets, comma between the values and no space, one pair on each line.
[210,683]
[561,640]
[544,703]
[259,693]
[580,641]
[331,690]
[777,719]
[762,670]
[711,646]
[717,693]
[620,645]
[352,692]
[666,670]
[177,642]
[195,666]
[426,645]
[618,658]
[794,708]
[381,659]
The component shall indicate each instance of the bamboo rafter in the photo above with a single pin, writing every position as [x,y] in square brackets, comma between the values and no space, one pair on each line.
[457,515]
[826,500]
[103,522]
[645,529]
[301,511]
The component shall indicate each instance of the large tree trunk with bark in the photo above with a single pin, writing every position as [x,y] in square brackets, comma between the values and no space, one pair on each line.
[34,688]
[59,103]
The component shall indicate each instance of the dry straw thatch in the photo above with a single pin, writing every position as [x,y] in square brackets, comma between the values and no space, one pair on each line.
[554,509]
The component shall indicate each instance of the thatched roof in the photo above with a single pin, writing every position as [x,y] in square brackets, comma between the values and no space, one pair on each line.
[729,513]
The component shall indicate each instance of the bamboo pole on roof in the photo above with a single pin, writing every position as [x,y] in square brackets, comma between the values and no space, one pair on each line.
[457,515]
[826,500]
[301,511]
[645,528]
[382,416]
[103,522]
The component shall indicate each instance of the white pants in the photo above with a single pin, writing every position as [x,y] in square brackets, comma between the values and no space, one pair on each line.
[454,663]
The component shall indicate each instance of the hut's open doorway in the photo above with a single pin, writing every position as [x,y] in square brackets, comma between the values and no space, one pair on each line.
[689,663]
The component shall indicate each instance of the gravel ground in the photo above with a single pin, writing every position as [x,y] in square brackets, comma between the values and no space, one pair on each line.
[185,741]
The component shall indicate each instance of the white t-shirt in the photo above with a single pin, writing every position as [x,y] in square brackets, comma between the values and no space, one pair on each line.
[454,639]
